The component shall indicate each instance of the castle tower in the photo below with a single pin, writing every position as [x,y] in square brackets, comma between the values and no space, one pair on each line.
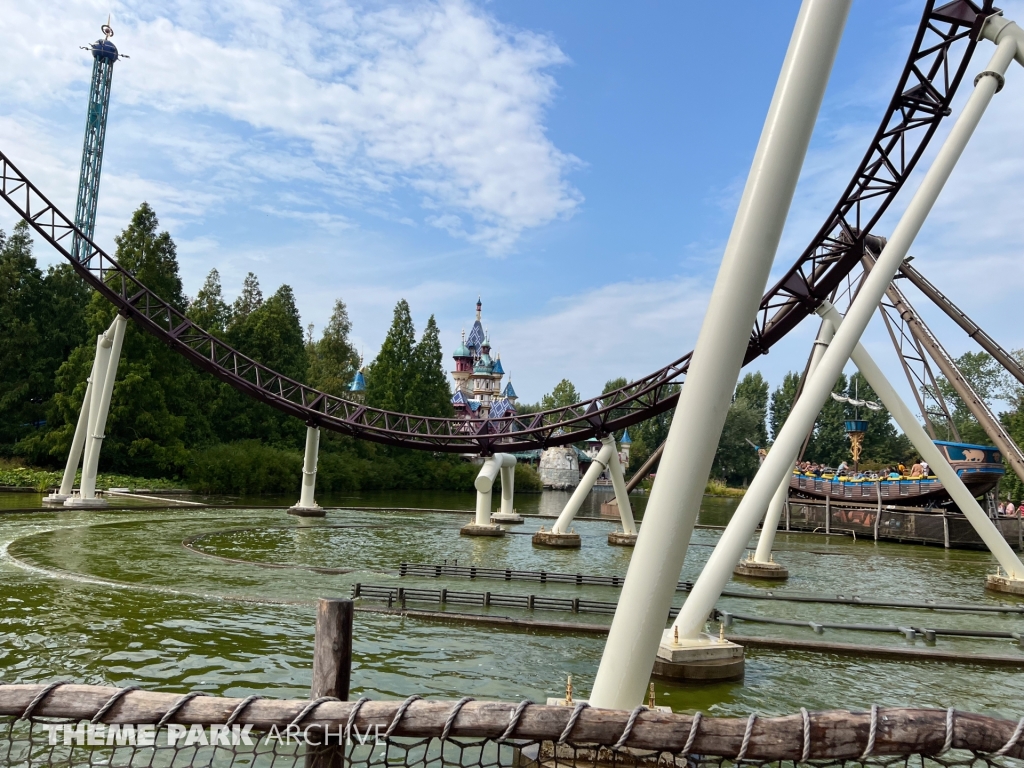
[624,445]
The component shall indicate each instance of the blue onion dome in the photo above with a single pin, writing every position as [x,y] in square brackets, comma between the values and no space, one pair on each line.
[463,350]
[104,50]
[483,365]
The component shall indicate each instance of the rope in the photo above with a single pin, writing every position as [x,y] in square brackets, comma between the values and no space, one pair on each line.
[177,706]
[805,753]
[353,713]
[1013,740]
[580,706]
[948,742]
[450,720]
[237,711]
[746,736]
[513,721]
[306,710]
[871,733]
[693,735]
[98,717]
[400,714]
[629,726]
[39,698]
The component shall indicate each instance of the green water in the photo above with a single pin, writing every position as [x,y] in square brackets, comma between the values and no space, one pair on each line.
[114,597]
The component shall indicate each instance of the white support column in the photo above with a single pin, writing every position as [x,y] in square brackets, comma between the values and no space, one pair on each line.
[508,512]
[950,480]
[619,484]
[778,502]
[78,441]
[572,507]
[108,356]
[484,484]
[655,567]
[307,506]
[718,570]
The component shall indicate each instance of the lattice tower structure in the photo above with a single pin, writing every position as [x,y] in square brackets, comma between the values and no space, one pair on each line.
[104,54]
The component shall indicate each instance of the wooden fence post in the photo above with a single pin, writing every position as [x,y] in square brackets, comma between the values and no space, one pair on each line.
[332,650]
[332,671]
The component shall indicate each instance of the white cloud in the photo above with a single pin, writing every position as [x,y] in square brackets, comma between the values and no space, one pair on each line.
[433,98]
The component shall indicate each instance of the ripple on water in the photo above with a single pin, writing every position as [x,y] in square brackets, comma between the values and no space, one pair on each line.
[175,619]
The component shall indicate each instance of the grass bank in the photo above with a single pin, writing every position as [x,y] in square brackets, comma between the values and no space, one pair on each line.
[13,475]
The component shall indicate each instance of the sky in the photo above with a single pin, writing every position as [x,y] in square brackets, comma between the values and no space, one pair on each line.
[578,166]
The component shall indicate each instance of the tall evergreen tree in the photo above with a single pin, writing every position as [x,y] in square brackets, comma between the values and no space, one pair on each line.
[155,410]
[332,358]
[387,379]
[249,300]
[429,394]
[735,460]
[209,310]
[754,389]
[782,401]
[829,443]
[562,395]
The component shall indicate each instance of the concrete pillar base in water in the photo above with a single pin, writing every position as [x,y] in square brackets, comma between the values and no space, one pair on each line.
[475,529]
[754,569]
[705,658]
[1000,583]
[570,540]
[620,539]
[314,511]
[507,518]
[75,501]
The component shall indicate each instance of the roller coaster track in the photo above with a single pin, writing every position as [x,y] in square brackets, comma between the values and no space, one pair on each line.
[942,49]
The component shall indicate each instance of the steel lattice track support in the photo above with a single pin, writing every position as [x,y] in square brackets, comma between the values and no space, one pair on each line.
[926,339]
[960,318]
[942,49]
[918,371]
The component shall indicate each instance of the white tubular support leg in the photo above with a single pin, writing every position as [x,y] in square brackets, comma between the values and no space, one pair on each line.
[484,483]
[947,475]
[67,483]
[108,357]
[307,498]
[719,568]
[998,29]
[597,466]
[655,566]
[619,484]
[508,483]
[778,502]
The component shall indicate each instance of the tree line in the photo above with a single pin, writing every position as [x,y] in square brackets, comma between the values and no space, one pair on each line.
[169,419]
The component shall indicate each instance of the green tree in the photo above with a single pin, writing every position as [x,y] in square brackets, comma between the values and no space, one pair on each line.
[249,300]
[209,310]
[782,401]
[989,381]
[157,408]
[429,393]
[387,377]
[754,389]
[332,358]
[736,461]
[562,395]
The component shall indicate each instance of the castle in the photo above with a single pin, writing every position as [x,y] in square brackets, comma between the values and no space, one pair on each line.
[478,390]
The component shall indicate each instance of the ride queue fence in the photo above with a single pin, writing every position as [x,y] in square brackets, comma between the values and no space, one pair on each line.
[72,725]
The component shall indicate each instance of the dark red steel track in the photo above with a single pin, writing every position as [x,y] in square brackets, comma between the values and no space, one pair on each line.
[941,52]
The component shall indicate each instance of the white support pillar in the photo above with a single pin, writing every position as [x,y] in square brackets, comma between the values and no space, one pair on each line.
[671,513]
[597,466]
[307,506]
[950,480]
[108,356]
[718,570]
[778,502]
[484,484]
[508,512]
[619,484]
[78,441]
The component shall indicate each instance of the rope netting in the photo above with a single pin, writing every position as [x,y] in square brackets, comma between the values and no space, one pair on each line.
[81,725]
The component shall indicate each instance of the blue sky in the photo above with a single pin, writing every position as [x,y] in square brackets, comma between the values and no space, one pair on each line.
[576,164]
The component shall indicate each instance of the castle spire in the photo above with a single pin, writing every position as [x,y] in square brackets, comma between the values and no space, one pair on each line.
[479,307]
